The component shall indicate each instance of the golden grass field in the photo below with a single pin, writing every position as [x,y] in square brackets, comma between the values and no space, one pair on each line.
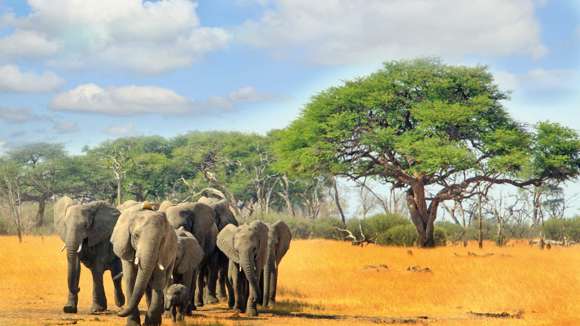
[326,282]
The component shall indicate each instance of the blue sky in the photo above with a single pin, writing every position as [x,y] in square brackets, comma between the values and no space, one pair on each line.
[80,72]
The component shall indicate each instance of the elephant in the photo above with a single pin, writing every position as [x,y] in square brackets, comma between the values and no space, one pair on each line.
[199,220]
[147,246]
[246,248]
[85,230]
[177,300]
[279,238]
[189,256]
[219,261]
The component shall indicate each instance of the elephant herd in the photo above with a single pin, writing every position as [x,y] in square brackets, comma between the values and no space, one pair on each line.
[178,255]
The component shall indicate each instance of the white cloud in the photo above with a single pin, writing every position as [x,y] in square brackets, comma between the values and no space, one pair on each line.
[27,44]
[12,79]
[121,130]
[122,100]
[539,79]
[362,31]
[17,115]
[145,36]
[245,94]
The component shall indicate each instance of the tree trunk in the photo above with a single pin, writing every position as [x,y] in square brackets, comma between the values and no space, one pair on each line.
[119,184]
[480,224]
[337,201]
[39,220]
[422,216]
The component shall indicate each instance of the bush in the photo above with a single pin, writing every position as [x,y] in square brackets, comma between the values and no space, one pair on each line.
[376,224]
[453,231]
[406,235]
[557,229]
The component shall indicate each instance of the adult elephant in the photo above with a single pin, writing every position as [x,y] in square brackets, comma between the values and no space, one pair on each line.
[199,220]
[147,246]
[219,261]
[246,247]
[189,256]
[279,238]
[85,230]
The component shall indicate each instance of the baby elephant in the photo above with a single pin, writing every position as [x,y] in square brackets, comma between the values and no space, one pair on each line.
[177,299]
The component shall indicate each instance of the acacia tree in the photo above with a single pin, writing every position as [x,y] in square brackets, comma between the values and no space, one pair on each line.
[439,132]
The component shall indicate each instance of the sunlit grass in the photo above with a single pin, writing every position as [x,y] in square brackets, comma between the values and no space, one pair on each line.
[327,282]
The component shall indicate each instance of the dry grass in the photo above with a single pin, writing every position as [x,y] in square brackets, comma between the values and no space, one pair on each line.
[327,283]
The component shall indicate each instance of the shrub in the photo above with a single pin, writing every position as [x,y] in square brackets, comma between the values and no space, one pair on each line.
[376,224]
[557,228]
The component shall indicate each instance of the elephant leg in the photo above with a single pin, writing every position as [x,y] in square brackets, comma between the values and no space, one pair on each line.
[116,270]
[200,286]
[148,294]
[251,305]
[230,293]
[129,277]
[273,286]
[212,276]
[153,315]
[235,277]
[73,294]
[192,291]
[222,279]
[187,282]
[99,298]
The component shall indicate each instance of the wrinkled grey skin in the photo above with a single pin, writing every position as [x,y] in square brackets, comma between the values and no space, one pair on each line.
[199,220]
[177,298]
[219,261]
[147,246]
[90,225]
[189,256]
[246,247]
[279,238]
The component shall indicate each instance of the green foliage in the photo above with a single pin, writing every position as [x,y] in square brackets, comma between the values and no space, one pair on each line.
[377,224]
[558,228]
[406,235]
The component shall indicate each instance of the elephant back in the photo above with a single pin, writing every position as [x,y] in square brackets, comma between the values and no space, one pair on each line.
[60,209]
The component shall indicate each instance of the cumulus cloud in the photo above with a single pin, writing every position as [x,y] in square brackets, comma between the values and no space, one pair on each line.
[361,31]
[145,36]
[539,79]
[26,44]
[122,100]
[17,115]
[12,79]
[121,130]
[245,94]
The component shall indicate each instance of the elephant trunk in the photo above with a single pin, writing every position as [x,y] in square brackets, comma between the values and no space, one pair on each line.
[268,270]
[249,267]
[72,244]
[145,268]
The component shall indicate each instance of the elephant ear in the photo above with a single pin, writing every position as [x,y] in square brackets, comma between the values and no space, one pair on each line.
[60,208]
[168,249]
[224,214]
[121,237]
[225,242]
[104,217]
[191,253]
[282,231]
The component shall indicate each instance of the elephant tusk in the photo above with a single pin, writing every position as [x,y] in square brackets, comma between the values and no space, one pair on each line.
[80,248]
[63,248]
[136,260]
[116,277]
[161,267]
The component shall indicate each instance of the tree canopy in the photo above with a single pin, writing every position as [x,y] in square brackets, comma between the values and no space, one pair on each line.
[440,132]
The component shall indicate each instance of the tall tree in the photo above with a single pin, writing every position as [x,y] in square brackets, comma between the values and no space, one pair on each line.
[438,131]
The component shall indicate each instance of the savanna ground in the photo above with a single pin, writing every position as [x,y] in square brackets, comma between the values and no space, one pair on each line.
[326,282]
